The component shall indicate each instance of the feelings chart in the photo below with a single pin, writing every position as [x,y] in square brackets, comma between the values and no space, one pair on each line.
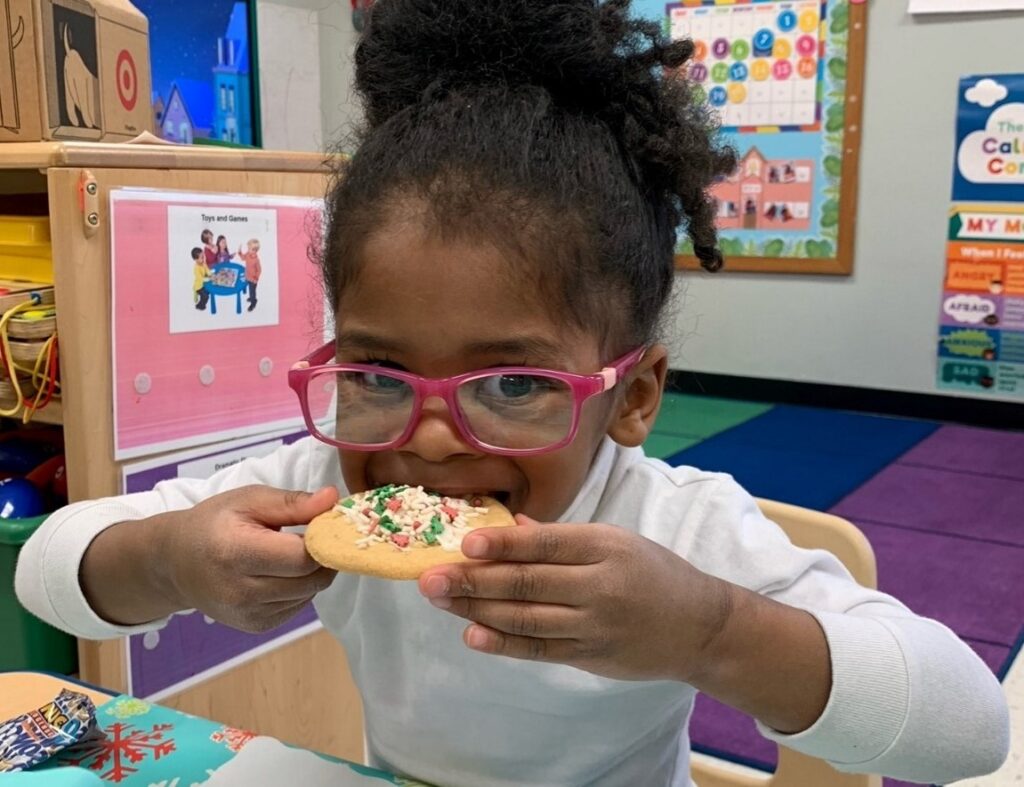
[759,63]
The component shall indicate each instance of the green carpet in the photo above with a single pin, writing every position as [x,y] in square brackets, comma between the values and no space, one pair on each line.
[686,420]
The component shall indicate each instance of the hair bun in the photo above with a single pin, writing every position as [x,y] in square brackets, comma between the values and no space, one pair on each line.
[587,54]
[710,257]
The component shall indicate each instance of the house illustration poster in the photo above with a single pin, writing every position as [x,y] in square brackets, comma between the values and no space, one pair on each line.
[203,74]
[766,194]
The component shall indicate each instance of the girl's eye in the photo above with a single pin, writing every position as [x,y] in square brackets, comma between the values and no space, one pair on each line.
[511,386]
[382,382]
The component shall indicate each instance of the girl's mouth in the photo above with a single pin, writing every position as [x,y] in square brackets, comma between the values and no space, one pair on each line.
[501,495]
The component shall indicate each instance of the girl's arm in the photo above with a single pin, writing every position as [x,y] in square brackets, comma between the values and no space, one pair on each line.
[905,697]
[712,594]
[101,569]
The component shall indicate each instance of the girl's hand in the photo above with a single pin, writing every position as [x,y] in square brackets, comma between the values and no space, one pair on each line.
[226,557]
[231,562]
[596,597]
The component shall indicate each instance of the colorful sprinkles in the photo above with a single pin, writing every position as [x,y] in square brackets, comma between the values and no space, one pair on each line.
[409,517]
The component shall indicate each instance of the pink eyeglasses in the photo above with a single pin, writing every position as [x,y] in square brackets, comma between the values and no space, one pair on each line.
[512,411]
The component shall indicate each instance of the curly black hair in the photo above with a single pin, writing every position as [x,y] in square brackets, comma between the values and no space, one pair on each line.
[545,127]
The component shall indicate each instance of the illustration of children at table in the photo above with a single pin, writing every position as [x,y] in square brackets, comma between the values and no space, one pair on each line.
[200,276]
[253,268]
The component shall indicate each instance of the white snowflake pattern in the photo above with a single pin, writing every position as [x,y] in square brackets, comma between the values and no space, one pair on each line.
[177,782]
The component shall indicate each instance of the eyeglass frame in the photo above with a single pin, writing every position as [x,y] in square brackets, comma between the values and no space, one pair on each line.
[584,387]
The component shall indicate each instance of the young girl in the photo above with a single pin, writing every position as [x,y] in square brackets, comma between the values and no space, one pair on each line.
[514,202]
[223,253]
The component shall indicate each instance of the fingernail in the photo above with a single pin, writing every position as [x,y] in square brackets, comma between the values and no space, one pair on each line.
[436,587]
[474,547]
[476,638]
[442,602]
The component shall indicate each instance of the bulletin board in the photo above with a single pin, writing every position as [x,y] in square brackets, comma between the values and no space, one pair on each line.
[785,80]
[202,344]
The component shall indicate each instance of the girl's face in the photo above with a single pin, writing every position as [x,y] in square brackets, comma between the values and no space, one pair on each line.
[222,244]
[439,310]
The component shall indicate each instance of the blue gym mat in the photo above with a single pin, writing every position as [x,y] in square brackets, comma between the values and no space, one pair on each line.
[806,456]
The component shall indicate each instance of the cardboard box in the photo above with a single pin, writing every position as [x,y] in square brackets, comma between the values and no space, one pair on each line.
[73,70]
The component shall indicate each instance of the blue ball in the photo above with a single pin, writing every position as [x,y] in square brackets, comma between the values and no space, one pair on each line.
[19,499]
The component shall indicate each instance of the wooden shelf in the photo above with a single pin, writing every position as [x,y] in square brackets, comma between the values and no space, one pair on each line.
[130,155]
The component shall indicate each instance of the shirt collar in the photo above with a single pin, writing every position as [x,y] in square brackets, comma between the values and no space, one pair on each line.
[606,471]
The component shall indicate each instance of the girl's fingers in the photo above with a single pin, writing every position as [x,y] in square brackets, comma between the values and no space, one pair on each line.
[267,553]
[486,640]
[535,543]
[284,508]
[272,590]
[549,584]
[546,621]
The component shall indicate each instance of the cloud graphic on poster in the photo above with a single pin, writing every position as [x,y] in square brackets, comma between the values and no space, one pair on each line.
[970,309]
[996,154]
[987,93]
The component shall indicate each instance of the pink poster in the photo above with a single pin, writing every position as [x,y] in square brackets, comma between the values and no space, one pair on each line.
[214,298]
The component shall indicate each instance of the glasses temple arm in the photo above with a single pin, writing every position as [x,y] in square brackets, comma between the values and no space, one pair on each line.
[318,357]
[613,374]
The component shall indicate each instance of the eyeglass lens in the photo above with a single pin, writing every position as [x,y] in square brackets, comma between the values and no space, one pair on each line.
[517,411]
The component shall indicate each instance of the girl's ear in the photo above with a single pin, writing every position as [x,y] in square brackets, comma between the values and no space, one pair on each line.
[634,417]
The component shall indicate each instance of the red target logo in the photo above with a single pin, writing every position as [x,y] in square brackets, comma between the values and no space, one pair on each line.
[127,80]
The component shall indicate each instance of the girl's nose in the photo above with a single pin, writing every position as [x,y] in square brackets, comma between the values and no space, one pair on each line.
[436,437]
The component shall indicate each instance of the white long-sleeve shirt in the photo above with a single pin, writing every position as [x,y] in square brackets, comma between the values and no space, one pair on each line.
[908,698]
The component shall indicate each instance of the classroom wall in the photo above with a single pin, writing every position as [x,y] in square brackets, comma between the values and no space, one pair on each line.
[305,49]
[877,328]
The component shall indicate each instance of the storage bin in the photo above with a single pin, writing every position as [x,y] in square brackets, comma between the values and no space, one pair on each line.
[27,643]
[25,252]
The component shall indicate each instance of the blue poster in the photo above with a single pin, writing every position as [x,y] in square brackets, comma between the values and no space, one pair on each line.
[990,140]
[981,332]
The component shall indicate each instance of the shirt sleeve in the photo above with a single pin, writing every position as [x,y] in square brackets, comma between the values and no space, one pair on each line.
[47,575]
[908,699]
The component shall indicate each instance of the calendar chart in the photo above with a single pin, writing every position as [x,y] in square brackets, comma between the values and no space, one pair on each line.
[759,63]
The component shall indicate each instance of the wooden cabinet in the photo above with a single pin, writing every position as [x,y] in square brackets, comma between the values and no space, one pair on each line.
[301,693]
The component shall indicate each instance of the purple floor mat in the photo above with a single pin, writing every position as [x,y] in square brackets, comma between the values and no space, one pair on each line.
[976,451]
[941,501]
[993,655]
[974,587]
[722,731]
[947,531]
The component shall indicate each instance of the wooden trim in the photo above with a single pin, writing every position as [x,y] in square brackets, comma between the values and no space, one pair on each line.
[850,183]
[835,267]
[842,263]
[43,155]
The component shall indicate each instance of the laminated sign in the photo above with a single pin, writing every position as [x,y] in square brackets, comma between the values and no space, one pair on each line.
[981,323]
